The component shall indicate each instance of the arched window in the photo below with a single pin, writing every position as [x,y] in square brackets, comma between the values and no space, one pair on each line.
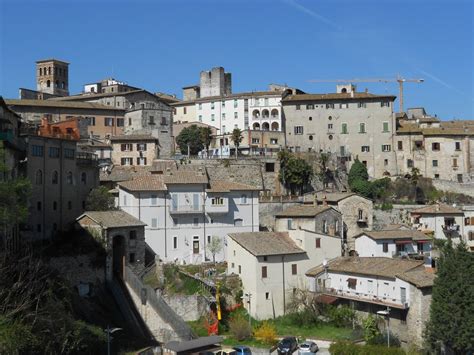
[265,113]
[39,177]
[63,85]
[48,83]
[243,199]
[69,178]
[336,227]
[344,90]
[49,70]
[84,178]
[256,126]
[325,226]
[55,177]
[266,126]
[256,114]
[57,83]
[274,113]
[275,126]
[238,222]
[40,71]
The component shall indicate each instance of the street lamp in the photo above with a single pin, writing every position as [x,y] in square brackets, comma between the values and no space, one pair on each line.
[109,338]
[386,313]
[249,296]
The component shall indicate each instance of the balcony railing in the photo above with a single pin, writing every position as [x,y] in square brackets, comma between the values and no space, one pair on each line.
[365,297]
[186,209]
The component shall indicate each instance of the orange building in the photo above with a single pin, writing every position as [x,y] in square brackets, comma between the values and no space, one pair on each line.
[71,129]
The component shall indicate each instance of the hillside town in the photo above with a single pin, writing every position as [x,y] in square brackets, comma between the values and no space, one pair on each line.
[190,223]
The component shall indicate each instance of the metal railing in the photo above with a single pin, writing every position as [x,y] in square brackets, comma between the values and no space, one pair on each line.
[165,312]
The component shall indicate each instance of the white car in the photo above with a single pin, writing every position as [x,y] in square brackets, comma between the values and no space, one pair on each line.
[308,347]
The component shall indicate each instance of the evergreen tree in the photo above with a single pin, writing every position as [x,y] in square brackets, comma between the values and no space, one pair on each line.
[99,199]
[358,172]
[451,323]
[295,173]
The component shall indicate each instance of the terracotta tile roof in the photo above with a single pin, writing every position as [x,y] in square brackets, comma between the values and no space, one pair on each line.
[185,177]
[372,266]
[123,173]
[89,96]
[439,208]
[421,277]
[336,96]
[395,234]
[112,219]
[227,186]
[447,128]
[61,104]
[303,211]
[266,243]
[134,137]
[333,196]
[144,183]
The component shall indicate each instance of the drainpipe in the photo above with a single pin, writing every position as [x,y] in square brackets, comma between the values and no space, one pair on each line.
[283,273]
[166,236]
[252,212]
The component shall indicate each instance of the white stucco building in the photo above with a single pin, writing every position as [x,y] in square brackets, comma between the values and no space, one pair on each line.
[394,243]
[372,284]
[183,211]
[272,264]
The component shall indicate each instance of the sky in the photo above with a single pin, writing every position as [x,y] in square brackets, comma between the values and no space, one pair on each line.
[163,45]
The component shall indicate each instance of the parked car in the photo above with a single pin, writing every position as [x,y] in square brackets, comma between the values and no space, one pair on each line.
[287,345]
[242,350]
[308,347]
[226,351]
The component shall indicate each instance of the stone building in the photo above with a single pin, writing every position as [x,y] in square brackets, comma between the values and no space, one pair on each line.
[109,85]
[61,179]
[356,210]
[52,77]
[73,128]
[349,123]
[134,149]
[370,285]
[438,149]
[144,113]
[215,82]
[123,236]
[319,219]
[102,120]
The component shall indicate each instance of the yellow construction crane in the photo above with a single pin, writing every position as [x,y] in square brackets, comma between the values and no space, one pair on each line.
[400,80]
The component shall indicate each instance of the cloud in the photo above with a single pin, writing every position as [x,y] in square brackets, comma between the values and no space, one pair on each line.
[313,14]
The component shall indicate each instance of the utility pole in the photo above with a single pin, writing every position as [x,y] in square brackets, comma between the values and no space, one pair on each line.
[249,296]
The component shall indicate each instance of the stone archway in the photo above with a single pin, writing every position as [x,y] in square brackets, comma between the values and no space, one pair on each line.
[118,255]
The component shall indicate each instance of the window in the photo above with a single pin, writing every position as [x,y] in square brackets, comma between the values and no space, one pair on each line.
[141,147]
[385,127]
[132,235]
[455,163]
[38,205]
[344,128]
[310,107]
[400,145]
[360,215]
[352,283]
[37,150]
[325,226]
[212,105]
[459,177]
[154,222]
[435,146]
[236,115]
[53,152]
[264,272]
[385,104]
[151,120]
[329,105]
[108,121]
[38,226]
[200,106]
[310,137]
[238,222]
[120,122]
[184,110]
[269,167]
[385,162]
[84,178]
[273,141]
[69,178]
[243,199]
[69,205]
[236,103]
[223,103]
[212,117]
[217,201]
[318,243]
[294,269]
[362,128]
[343,105]
[385,247]
[289,224]
[365,149]
[129,121]
[240,269]
[361,105]
[330,126]
[457,145]
[200,118]
[386,148]
[267,295]
[310,118]
[154,200]
[90,121]
[131,257]
[55,178]
[409,163]
[55,205]
[298,107]
[126,161]
[434,163]
[436,176]
[298,129]
[69,153]
[223,116]
[175,242]
[126,147]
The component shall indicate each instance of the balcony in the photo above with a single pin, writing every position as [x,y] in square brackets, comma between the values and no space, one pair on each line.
[185,209]
[87,159]
[365,297]
[217,208]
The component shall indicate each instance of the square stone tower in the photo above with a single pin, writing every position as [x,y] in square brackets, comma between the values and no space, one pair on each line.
[52,77]
[215,82]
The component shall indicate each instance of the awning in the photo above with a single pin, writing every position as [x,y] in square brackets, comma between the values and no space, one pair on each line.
[326,299]
[403,241]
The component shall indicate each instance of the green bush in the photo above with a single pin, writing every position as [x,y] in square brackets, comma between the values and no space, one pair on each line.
[362,187]
[386,206]
[342,316]
[371,330]
[348,348]
[358,172]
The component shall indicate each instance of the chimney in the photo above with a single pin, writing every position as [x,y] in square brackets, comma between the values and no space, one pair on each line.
[325,200]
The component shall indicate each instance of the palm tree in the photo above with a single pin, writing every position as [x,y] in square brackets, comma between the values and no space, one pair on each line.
[237,139]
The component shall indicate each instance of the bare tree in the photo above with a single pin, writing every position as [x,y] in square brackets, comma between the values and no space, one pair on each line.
[214,247]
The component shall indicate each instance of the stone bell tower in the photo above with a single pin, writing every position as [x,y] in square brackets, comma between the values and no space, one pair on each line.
[52,77]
